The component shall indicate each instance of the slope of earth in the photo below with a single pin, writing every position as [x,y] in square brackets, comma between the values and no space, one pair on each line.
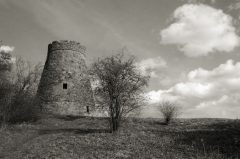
[87,137]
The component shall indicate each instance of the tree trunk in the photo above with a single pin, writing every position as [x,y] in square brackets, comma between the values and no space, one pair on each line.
[114,116]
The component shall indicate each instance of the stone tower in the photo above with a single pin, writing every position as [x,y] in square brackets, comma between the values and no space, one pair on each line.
[64,87]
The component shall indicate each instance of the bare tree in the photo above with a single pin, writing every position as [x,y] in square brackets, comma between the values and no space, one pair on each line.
[169,110]
[27,76]
[119,86]
[17,103]
[6,85]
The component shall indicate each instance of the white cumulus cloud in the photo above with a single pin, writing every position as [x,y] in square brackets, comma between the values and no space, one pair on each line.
[6,59]
[6,49]
[160,95]
[226,106]
[192,89]
[206,93]
[199,29]
[225,77]
[151,65]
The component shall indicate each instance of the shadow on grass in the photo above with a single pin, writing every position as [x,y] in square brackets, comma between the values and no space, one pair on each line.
[159,123]
[75,117]
[221,137]
[72,130]
[69,117]
[233,125]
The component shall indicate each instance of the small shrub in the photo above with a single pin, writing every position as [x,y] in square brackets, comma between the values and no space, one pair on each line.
[169,110]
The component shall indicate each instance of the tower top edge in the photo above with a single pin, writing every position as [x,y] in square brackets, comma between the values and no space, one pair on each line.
[66,45]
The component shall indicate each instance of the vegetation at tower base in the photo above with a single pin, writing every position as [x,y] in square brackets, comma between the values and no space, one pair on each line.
[18,86]
[119,87]
[65,88]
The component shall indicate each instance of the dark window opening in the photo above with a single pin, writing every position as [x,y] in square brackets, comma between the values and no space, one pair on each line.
[64,85]
[87,109]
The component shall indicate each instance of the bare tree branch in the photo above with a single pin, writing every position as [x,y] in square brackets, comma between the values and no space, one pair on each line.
[119,86]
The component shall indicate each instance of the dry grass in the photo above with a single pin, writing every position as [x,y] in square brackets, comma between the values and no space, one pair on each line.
[68,137]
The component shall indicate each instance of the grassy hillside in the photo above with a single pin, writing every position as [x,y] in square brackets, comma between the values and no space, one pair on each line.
[86,137]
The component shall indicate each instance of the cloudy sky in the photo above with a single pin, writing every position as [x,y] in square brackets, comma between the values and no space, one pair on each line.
[189,47]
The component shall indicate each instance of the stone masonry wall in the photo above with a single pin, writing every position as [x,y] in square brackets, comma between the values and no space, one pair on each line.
[65,65]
